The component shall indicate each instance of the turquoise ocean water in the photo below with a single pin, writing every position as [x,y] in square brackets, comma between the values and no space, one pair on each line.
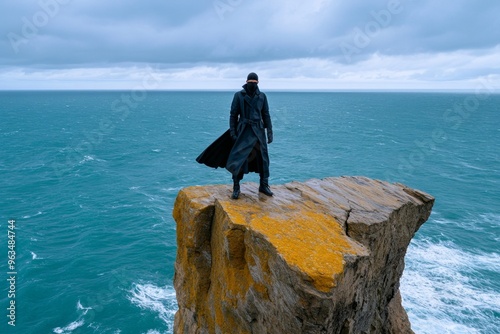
[90,179]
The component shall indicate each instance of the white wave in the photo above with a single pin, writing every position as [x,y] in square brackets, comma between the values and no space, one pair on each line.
[444,291]
[34,256]
[171,189]
[160,300]
[11,133]
[69,328]
[487,224]
[36,214]
[121,206]
[77,323]
[157,150]
[471,166]
[86,158]
[152,198]
[84,309]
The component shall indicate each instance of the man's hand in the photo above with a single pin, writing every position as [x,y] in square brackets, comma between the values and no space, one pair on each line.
[233,136]
[269,137]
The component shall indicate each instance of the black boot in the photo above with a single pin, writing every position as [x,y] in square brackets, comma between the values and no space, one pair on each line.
[236,189]
[264,187]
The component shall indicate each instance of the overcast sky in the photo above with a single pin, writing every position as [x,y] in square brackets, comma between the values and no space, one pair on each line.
[213,44]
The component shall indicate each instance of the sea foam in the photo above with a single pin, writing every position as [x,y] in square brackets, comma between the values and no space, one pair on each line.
[69,328]
[160,300]
[444,290]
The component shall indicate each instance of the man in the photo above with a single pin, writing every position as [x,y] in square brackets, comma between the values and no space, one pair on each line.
[248,118]
[243,148]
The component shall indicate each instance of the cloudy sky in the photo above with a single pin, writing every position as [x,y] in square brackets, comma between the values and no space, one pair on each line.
[213,44]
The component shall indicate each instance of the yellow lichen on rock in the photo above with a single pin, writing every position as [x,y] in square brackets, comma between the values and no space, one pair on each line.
[312,242]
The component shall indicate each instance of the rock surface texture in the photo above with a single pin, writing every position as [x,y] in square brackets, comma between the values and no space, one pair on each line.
[321,256]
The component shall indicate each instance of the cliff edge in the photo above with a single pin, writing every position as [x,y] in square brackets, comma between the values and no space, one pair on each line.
[321,256]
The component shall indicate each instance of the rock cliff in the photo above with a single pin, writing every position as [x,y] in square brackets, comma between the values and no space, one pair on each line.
[321,256]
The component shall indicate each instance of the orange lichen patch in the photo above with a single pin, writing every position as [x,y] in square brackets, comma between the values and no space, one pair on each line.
[230,276]
[198,197]
[309,240]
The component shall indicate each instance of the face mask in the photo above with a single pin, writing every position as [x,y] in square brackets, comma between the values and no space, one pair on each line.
[251,87]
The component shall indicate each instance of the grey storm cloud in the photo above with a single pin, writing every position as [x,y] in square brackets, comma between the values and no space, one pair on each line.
[65,33]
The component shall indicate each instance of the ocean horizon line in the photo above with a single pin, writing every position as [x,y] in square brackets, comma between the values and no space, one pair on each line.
[274,90]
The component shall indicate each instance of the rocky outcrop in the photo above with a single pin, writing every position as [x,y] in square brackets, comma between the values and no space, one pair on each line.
[322,256]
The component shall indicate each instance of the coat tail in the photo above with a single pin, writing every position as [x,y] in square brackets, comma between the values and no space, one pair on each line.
[216,154]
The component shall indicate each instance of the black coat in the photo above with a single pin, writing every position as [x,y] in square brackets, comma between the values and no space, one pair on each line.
[248,119]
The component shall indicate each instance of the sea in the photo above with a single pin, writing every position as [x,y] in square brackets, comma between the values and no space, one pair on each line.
[89,179]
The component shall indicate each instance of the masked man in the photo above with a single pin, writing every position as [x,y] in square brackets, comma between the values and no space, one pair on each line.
[248,118]
[247,150]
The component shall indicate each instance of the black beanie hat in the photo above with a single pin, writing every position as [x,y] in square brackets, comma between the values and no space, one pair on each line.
[252,76]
